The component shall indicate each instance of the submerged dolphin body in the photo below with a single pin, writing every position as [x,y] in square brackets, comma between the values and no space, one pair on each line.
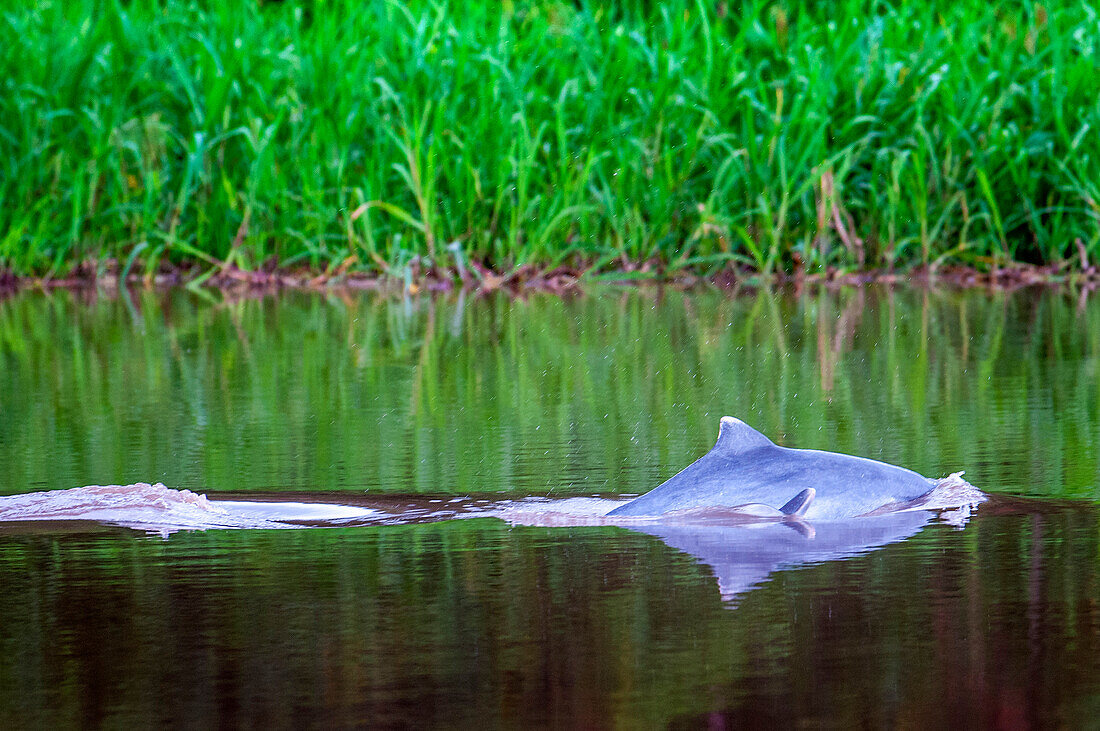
[747,473]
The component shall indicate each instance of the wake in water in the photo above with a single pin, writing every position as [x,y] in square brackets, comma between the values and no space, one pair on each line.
[740,548]
[161,509]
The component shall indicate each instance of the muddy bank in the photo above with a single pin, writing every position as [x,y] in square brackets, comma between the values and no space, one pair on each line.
[562,280]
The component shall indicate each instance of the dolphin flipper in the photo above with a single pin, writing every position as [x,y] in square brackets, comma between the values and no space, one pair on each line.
[796,507]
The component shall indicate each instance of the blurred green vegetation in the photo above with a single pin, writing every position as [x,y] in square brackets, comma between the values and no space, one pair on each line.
[386,136]
[608,393]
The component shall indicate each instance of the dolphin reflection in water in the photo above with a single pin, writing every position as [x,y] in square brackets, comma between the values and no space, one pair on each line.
[743,556]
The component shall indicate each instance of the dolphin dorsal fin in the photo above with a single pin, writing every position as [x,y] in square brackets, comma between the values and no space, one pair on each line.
[735,436]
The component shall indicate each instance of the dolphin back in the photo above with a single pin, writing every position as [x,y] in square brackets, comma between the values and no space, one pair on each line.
[746,469]
[693,485]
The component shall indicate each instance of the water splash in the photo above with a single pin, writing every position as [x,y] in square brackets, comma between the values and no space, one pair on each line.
[162,509]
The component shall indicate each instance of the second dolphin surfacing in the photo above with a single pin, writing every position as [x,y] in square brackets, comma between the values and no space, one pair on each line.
[746,473]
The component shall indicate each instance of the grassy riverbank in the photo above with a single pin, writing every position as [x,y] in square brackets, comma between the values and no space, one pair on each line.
[359,136]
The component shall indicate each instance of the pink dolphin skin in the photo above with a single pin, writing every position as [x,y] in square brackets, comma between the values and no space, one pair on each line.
[747,472]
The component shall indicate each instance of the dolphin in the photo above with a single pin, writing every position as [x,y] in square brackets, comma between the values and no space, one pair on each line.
[748,474]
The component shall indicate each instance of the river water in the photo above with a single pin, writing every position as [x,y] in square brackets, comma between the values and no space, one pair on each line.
[416,407]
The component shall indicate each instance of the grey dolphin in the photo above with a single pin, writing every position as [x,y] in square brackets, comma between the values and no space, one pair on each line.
[747,473]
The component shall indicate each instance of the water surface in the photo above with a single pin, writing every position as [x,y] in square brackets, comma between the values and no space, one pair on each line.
[365,398]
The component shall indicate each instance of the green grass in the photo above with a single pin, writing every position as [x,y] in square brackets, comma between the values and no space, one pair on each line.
[361,135]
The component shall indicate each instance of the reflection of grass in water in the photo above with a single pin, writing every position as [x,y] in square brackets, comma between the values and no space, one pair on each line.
[608,393]
[367,134]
